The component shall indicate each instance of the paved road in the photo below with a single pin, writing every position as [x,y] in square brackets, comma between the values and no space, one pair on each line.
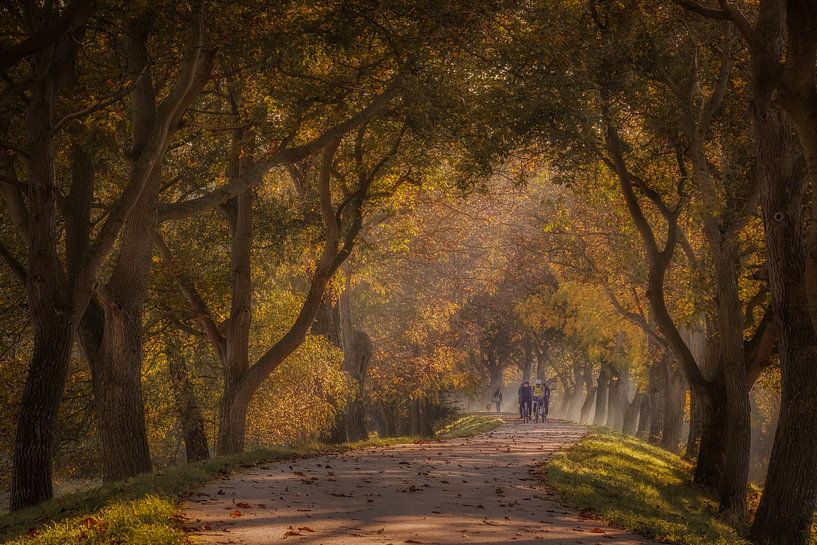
[475,490]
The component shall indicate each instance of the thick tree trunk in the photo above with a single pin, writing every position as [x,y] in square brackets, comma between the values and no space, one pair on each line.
[116,361]
[673,407]
[644,419]
[541,359]
[45,384]
[335,323]
[631,414]
[187,408]
[657,397]
[602,390]
[590,395]
[587,407]
[695,425]
[495,374]
[113,340]
[351,424]
[615,405]
[709,466]
[120,411]
[737,434]
[787,506]
[420,418]
[574,402]
[232,422]
[386,419]
[527,362]
[51,317]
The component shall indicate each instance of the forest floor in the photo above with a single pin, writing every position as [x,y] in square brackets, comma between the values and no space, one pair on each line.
[481,489]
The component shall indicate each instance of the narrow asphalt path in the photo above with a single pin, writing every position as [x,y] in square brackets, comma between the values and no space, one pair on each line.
[476,490]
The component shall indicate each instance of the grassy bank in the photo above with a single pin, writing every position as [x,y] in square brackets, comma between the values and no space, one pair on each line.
[469,425]
[144,510]
[640,488]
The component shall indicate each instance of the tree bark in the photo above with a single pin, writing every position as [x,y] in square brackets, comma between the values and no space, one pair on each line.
[602,391]
[45,384]
[787,506]
[657,397]
[709,466]
[644,419]
[590,397]
[527,362]
[631,414]
[615,404]
[673,407]
[737,441]
[187,408]
[695,425]
[113,338]
[53,324]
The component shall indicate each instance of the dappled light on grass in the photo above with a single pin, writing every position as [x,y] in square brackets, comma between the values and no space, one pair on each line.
[638,487]
[469,425]
[137,522]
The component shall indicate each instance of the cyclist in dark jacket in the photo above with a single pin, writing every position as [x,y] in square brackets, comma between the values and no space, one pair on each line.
[525,398]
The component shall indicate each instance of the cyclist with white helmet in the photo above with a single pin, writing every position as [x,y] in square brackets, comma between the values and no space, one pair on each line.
[541,400]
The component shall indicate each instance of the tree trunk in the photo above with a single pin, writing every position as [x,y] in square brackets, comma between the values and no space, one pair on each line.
[631,414]
[574,402]
[587,407]
[644,419]
[541,360]
[695,425]
[673,407]
[51,317]
[590,397]
[709,466]
[657,396]
[737,435]
[495,373]
[120,411]
[232,422]
[602,390]
[420,422]
[45,384]
[527,362]
[190,418]
[615,407]
[116,361]
[787,506]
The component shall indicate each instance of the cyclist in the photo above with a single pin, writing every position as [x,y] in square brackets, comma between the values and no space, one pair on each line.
[538,393]
[525,399]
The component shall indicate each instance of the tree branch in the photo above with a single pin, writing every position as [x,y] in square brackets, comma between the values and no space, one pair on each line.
[255,174]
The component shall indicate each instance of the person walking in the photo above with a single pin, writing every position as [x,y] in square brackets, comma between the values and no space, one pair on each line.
[497,399]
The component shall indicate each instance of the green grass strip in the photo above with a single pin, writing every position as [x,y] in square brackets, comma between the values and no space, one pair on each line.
[469,425]
[639,488]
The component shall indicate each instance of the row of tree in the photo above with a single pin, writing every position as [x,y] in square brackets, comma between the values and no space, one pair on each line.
[183,185]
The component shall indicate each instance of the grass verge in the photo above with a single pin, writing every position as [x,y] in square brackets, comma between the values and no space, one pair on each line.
[639,488]
[144,510]
[469,425]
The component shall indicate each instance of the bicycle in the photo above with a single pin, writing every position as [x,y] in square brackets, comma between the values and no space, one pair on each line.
[540,411]
[525,411]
